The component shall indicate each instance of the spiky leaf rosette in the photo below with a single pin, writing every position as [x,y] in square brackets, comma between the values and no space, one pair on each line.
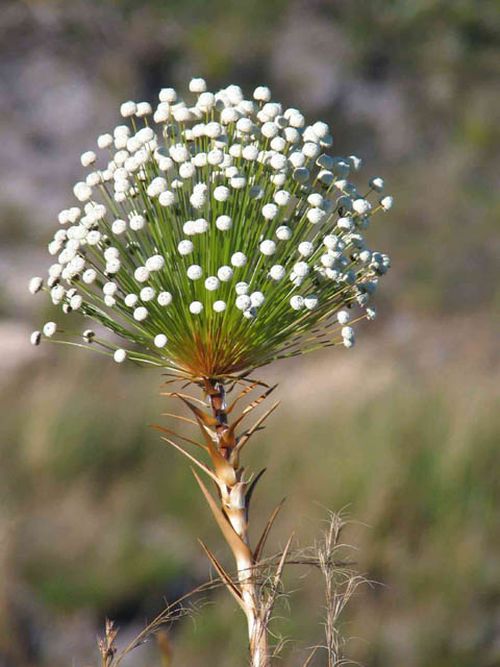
[215,235]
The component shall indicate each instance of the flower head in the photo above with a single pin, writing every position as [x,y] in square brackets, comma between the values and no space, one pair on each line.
[213,235]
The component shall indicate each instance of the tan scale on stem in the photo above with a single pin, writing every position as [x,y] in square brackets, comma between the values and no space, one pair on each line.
[234,492]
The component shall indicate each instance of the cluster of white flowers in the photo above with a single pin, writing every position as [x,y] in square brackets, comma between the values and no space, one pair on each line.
[216,235]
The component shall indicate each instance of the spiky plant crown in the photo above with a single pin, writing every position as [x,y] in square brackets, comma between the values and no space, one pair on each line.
[215,235]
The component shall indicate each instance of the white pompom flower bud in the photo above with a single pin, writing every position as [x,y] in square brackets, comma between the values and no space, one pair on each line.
[238,259]
[195,307]
[194,272]
[185,247]
[49,329]
[225,273]
[268,247]
[35,284]
[219,306]
[197,85]
[160,340]
[120,355]
[297,302]
[212,283]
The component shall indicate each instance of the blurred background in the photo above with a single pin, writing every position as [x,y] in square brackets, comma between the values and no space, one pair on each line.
[97,517]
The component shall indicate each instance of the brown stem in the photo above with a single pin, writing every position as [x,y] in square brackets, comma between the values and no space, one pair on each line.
[234,504]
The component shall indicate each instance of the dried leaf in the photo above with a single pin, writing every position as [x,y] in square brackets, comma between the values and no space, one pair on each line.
[263,538]
[233,589]
[200,465]
[238,547]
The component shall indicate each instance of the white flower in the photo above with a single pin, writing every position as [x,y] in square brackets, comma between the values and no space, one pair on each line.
[257,299]
[250,152]
[321,129]
[147,294]
[269,211]
[212,283]
[376,183]
[164,298]
[311,150]
[131,300]
[120,355]
[315,199]
[155,263]
[143,109]
[221,193]
[49,329]
[167,95]
[347,332]
[311,302]
[297,302]
[88,158]
[277,272]
[119,227]
[104,141]
[200,226]
[282,197]
[76,302]
[223,223]
[278,161]
[198,199]
[194,272]
[219,306]
[361,206]
[215,157]
[88,276]
[137,222]
[343,316]
[206,101]
[245,126]
[195,307]
[238,259]
[179,153]
[166,198]
[301,269]
[284,233]
[157,186]
[306,248]
[187,170]
[36,337]
[225,273]
[278,144]
[185,247]
[241,288]
[140,313]
[35,284]
[128,109]
[345,223]
[141,274]
[110,288]
[82,191]
[326,177]
[160,340]
[197,85]
[386,203]
[268,247]
[243,302]
[315,215]
[262,94]
[113,265]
